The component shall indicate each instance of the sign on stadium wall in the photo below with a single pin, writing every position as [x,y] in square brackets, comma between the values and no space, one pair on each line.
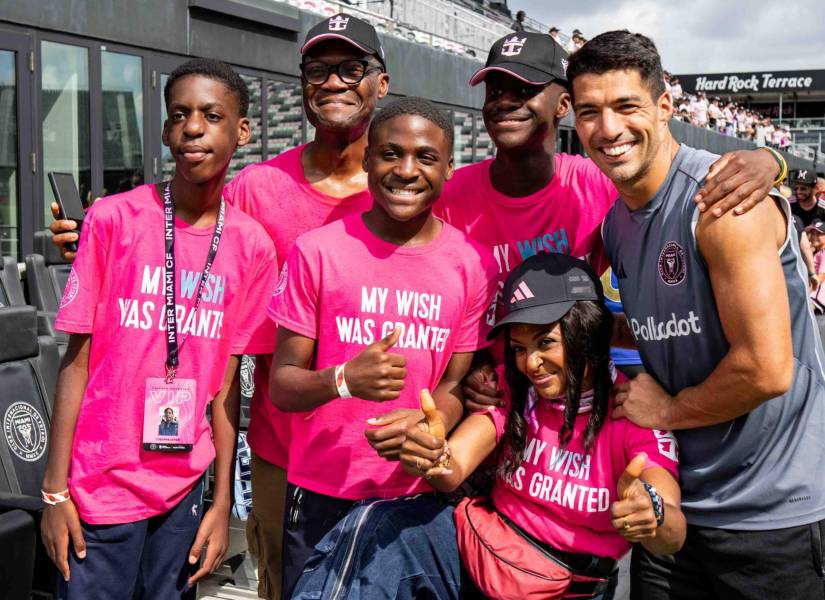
[749,83]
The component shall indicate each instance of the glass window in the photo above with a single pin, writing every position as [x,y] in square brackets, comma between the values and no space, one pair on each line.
[8,156]
[167,163]
[122,83]
[64,98]
[251,153]
[284,117]
[462,138]
[484,145]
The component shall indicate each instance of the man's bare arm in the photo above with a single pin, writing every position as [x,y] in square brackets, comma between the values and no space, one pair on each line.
[755,319]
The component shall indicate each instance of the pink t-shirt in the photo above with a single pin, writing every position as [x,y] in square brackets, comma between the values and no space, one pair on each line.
[277,195]
[563,498]
[565,216]
[346,289]
[115,292]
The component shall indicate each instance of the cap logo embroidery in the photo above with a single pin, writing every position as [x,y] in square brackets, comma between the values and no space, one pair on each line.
[522,293]
[802,174]
[338,23]
[564,64]
[513,46]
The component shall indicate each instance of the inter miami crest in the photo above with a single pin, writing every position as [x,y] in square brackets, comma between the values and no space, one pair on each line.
[672,267]
[25,431]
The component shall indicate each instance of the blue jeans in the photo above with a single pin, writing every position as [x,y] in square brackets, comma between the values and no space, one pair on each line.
[147,559]
[401,549]
[404,549]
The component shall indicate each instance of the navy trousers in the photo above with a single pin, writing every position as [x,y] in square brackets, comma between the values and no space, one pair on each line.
[147,559]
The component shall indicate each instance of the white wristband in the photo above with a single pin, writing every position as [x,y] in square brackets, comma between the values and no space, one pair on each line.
[56,498]
[341,382]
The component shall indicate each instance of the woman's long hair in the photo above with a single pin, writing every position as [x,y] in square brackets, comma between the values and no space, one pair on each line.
[586,331]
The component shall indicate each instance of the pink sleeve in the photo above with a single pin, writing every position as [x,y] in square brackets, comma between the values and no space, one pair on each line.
[256,333]
[480,315]
[82,292]
[661,447]
[819,264]
[295,302]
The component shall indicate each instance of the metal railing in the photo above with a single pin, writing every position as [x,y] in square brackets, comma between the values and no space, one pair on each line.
[440,24]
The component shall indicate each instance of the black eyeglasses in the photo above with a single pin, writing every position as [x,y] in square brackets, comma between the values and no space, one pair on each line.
[349,71]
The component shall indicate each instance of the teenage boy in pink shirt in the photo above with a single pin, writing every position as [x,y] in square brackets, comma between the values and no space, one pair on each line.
[373,308]
[167,285]
[530,198]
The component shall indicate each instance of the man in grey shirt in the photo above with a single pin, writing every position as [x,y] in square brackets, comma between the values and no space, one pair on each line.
[718,308]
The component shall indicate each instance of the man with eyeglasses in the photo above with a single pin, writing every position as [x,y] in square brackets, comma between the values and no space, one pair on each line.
[342,77]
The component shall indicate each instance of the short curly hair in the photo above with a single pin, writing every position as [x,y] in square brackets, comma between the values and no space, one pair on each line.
[420,107]
[213,69]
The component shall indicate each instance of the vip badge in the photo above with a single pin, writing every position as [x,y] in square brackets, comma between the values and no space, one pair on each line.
[25,431]
[672,267]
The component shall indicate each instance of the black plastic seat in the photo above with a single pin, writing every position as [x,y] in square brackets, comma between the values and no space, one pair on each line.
[25,404]
[46,277]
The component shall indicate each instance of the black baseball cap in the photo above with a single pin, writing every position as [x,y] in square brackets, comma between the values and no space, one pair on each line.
[554,29]
[543,288]
[817,224]
[346,28]
[805,177]
[531,57]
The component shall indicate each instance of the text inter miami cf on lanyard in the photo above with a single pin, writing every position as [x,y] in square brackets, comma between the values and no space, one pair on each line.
[172,348]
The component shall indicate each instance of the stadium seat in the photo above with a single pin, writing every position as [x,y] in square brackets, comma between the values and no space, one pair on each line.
[11,290]
[25,404]
[46,277]
[18,543]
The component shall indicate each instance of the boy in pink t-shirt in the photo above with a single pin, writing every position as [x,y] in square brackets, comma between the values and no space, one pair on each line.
[167,284]
[381,305]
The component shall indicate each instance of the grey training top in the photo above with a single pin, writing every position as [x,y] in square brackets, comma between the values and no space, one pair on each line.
[763,470]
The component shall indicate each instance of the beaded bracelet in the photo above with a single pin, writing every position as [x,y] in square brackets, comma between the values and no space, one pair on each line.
[657,502]
[780,160]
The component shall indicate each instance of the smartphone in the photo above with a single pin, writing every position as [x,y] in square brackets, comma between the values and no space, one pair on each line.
[68,200]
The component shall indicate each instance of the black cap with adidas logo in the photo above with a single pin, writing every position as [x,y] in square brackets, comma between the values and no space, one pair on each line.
[534,58]
[544,287]
[346,28]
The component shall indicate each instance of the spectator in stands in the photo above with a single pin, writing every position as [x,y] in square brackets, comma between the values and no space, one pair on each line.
[803,203]
[819,189]
[124,505]
[715,117]
[676,88]
[816,238]
[518,24]
[392,351]
[700,110]
[753,390]
[554,33]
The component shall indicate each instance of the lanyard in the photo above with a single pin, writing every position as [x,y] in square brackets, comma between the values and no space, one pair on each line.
[172,349]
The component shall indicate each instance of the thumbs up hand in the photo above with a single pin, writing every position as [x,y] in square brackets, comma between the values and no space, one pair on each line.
[435,425]
[425,452]
[376,373]
[632,514]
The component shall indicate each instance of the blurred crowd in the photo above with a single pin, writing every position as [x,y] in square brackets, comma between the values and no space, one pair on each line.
[727,118]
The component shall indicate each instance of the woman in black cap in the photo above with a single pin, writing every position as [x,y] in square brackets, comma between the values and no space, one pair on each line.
[574,487]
